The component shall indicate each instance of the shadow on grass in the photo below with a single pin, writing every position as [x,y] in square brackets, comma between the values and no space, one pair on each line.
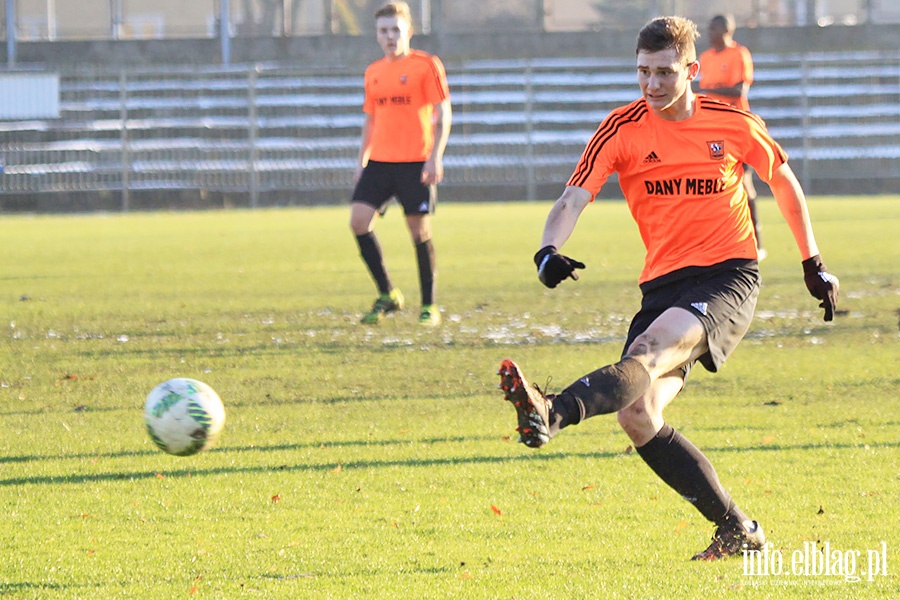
[268,448]
[21,587]
[254,403]
[271,349]
[381,464]
[321,467]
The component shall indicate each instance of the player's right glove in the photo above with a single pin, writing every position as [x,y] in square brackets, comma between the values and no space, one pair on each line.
[553,267]
[821,284]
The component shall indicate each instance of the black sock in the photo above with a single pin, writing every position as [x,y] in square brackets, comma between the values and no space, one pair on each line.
[686,470]
[370,250]
[604,391]
[427,269]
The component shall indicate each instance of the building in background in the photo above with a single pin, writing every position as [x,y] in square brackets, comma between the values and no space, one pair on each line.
[40,20]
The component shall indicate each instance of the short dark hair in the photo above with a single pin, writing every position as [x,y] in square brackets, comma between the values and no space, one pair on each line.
[726,21]
[663,33]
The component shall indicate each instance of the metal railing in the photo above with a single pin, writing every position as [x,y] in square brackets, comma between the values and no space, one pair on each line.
[262,134]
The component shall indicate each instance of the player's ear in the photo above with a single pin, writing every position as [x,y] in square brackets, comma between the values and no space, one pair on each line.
[693,70]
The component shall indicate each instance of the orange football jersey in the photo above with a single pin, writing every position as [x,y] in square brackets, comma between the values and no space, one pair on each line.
[727,68]
[400,95]
[682,179]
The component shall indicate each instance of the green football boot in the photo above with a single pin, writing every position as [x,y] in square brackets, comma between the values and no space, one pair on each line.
[430,316]
[384,305]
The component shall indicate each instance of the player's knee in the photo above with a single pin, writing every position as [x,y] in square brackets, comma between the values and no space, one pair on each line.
[359,226]
[643,347]
[635,420]
[419,230]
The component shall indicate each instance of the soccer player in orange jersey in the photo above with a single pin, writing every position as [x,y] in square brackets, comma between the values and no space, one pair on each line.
[407,122]
[726,73]
[679,159]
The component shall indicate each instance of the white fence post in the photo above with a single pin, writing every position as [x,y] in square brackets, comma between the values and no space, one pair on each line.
[225,31]
[11,33]
[252,135]
[530,184]
[805,120]
[123,138]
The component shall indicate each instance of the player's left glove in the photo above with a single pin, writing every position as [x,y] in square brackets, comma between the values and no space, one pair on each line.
[821,284]
[553,267]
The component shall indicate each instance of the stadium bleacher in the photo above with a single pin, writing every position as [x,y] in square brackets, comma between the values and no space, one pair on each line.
[288,135]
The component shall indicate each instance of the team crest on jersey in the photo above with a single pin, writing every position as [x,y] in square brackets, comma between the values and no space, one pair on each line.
[403,79]
[716,149]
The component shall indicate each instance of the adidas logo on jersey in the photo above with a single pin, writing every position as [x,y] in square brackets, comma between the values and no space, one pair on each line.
[652,158]
[700,306]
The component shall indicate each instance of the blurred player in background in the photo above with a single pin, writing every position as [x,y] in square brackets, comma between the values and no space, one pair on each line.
[679,159]
[407,122]
[726,73]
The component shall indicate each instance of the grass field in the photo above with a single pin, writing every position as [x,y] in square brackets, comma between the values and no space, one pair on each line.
[381,462]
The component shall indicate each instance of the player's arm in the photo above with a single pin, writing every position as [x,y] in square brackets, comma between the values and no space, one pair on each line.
[433,171]
[734,91]
[564,216]
[552,266]
[365,145]
[792,204]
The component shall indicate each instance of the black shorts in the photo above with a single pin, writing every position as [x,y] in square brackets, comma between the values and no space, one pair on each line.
[722,296]
[381,181]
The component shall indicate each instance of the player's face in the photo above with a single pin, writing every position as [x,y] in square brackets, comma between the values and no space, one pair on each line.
[393,35]
[666,83]
[717,33]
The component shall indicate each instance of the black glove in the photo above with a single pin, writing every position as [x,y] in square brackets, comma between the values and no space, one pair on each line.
[553,267]
[821,284]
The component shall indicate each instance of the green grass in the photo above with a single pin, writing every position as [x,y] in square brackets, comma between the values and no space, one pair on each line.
[368,462]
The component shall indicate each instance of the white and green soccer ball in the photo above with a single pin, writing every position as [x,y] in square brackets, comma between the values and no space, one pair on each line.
[184,416]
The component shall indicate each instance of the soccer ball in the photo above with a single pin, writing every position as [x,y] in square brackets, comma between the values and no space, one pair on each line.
[184,416]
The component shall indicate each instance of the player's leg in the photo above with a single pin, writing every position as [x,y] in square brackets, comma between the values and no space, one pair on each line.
[643,419]
[724,303]
[706,318]
[420,232]
[674,338]
[661,342]
[372,192]
[754,215]
[680,464]
[362,217]
[671,330]
[419,202]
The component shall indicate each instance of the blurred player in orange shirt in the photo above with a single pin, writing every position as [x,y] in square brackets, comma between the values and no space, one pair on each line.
[726,68]
[407,122]
[726,73]
[679,158]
